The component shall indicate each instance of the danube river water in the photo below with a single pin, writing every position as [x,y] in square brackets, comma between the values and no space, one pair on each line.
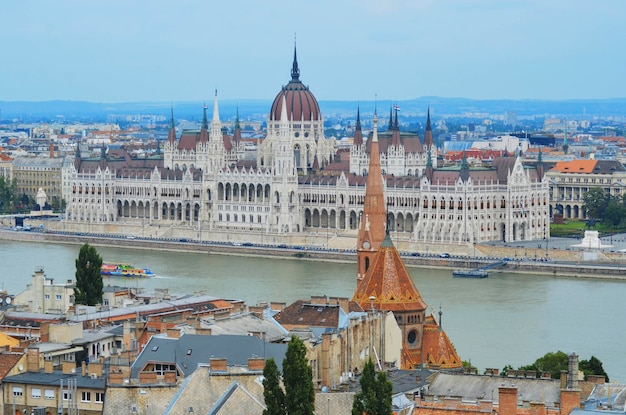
[504,319]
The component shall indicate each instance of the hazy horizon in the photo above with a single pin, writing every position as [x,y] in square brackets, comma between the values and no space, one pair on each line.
[121,51]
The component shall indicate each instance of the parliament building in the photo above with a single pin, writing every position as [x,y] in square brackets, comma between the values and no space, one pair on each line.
[201,186]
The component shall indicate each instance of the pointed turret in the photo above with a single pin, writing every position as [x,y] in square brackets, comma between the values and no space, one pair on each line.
[428,133]
[395,135]
[216,125]
[204,130]
[390,127]
[358,132]
[171,134]
[237,129]
[373,221]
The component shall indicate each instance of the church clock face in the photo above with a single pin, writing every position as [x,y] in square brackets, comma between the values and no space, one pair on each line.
[366,245]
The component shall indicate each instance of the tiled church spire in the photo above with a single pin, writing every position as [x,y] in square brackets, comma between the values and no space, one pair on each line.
[373,221]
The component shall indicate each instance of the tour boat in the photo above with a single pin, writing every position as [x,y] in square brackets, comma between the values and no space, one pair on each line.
[125,270]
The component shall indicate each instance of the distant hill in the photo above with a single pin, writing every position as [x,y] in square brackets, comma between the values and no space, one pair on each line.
[50,111]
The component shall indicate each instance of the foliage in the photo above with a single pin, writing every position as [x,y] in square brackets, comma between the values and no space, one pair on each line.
[298,380]
[9,199]
[555,362]
[468,367]
[88,289]
[593,366]
[596,200]
[375,395]
[272,392]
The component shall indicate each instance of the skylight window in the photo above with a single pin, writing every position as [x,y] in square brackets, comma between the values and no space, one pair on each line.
[155,348]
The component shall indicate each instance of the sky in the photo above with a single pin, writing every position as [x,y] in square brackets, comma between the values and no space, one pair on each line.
[182,50]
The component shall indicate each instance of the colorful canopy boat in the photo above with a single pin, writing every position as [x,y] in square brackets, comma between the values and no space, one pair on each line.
[125,270]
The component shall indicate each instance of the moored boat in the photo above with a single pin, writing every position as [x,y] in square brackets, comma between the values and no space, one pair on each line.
[470,273]
[125,270]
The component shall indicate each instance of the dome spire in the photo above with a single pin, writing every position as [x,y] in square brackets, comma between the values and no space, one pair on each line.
[295,71]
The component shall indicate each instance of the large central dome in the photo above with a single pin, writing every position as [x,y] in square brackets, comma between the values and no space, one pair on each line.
[301,103]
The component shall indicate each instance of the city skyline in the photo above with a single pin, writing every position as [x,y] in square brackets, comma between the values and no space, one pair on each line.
[353,50]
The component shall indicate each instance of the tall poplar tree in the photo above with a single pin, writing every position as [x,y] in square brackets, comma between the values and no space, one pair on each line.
[272,392]
[375,395]
[88,289]
[298,379]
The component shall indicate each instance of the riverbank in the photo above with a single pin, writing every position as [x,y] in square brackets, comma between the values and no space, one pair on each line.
[562,264]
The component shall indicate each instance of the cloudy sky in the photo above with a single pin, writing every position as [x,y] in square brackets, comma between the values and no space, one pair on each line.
[182,50]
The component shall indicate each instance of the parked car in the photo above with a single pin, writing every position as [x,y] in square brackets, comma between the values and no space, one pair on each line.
[444,255]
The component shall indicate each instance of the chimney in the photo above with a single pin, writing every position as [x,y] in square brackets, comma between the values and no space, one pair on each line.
[319,299]
[44,332]
[570,399]
[278,306]
[218,364]
[95,368]
[32,359]
[572,371]
[507,396]
[257,311]
[173,333]
[83,368]
[68,367]
[344,303]
[537,408]
[51,150]
[596,379]
[48,366]
[256,363]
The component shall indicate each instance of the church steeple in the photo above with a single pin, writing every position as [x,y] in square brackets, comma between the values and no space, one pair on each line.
[373,222]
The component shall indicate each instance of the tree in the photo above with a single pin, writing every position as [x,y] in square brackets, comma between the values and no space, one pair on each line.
[596,200]
[556,362]
[272,392]
[553,362]
[593,366]
[88,289]
[298,380]
[375,395]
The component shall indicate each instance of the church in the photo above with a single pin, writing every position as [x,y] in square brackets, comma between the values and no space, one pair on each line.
[201,187]
[384,284]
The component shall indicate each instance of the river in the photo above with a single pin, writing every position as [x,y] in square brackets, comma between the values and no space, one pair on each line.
[504,319]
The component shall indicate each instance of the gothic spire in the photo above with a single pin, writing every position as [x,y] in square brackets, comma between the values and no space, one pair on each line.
[358,132]
[372,228]
[204,131]
[171,134]
[428,133]
[295,71]
[390,118]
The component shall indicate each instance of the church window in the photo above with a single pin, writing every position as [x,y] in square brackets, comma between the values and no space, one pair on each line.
[412,337]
